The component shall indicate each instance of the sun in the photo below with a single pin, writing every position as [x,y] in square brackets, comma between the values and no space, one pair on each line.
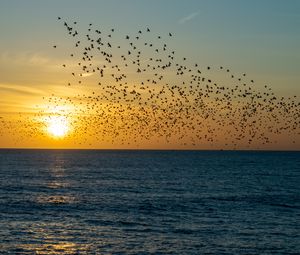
[58,126]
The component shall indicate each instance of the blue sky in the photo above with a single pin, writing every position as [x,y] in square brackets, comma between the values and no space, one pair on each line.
[259,36]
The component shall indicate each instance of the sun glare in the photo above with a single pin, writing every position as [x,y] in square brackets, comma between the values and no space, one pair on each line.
[58,126]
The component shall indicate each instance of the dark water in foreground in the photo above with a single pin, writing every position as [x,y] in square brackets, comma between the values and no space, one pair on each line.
[149,202]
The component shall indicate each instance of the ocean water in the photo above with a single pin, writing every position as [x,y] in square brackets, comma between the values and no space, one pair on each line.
[149,202]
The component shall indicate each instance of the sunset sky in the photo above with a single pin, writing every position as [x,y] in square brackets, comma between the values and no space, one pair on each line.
[260,38]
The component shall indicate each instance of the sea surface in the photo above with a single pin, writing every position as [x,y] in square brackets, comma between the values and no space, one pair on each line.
[149,202]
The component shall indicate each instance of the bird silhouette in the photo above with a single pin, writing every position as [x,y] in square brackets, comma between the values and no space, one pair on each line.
[139,89]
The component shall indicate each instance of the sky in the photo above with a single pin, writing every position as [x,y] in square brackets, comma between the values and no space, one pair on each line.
[259,37]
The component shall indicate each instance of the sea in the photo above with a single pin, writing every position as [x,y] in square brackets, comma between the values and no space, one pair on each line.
[149,202]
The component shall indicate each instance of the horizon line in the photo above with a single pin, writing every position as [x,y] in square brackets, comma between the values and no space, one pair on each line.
[144,149]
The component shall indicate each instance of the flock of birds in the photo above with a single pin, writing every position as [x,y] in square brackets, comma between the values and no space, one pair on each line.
[138,89]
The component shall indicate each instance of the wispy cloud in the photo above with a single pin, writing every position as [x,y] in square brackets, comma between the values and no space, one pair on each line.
[20,89]
[24,58]
[34,59]
[188,18]
[86,74]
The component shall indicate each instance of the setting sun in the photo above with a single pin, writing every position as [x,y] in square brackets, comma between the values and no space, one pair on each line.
[58,126]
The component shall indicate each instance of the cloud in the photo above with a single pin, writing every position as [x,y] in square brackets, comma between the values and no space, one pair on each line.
[37,60]
[188,18]
[87,74]
[34,59]
[24,58]
[20,89]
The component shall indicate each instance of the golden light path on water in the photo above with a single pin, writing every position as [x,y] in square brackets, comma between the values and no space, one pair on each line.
[54,237]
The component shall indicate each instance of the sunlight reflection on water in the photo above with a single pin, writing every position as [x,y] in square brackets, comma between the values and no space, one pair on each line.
[60,199]
[58,248]
[59,182]
[57,185]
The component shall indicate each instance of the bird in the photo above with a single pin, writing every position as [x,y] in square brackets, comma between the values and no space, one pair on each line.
[168,97]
